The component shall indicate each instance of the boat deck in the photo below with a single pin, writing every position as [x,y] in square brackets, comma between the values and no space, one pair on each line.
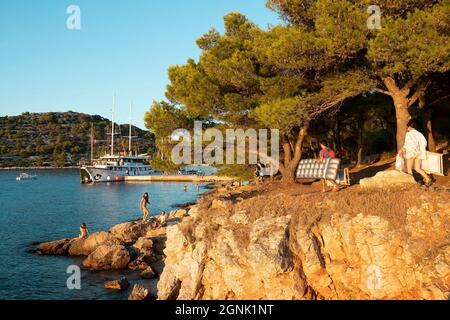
[178,178]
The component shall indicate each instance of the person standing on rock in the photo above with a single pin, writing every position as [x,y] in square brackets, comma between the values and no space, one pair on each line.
[327,153]
[144,203]
[415,150]
[84,232]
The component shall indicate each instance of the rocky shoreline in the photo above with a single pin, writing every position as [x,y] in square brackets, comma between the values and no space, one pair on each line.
[375,241]
[136,245]
[293,242]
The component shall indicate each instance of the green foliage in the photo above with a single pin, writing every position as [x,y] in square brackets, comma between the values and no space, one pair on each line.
[163,118]
[60,160]
[243,172]
[290,75]
[42,138]
[164,165]
[415,46]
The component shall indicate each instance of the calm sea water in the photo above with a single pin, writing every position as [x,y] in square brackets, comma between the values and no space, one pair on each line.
[53,207]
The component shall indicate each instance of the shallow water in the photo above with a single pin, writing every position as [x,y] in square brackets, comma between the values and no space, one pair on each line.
[53,207]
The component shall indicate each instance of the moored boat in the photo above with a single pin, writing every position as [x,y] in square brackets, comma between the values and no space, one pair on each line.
[115,168]
[26,176]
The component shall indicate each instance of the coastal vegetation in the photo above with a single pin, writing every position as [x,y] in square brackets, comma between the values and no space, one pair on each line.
[321,74]
[61,139]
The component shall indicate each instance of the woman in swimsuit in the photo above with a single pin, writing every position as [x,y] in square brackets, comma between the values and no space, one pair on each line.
[144,203]
[84,232]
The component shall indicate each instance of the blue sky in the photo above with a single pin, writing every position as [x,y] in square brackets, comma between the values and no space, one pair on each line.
[123,47]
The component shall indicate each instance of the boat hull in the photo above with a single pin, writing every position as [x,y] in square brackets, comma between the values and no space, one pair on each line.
[99,175]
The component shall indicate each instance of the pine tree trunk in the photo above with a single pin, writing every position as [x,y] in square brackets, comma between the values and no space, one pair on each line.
[289,173]
[403,117]
[426,117]
[359,160]
[292,157]
[401,104]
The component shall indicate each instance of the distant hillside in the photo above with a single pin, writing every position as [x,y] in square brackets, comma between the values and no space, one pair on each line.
[62,139]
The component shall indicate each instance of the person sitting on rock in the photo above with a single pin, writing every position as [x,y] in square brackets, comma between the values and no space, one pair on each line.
[84,232]
[162,219]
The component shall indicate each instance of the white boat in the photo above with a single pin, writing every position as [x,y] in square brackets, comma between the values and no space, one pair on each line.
[26,176]
[114,168]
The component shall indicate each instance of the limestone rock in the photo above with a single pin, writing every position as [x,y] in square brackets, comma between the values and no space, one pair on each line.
[159,244]
[118,285]
[178,214]
[84,247]
[240,217]
[139,293]
[220,204]
[138,265]
[194,211]
[59,247]
[385,179]
[158,266]
[341,256]
[269,256]
[108,258]
[130,232]
[148,274]
[159,232]
[144,245]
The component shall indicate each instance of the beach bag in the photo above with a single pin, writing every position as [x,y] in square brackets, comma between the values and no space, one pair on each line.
[332,154]
[399,163]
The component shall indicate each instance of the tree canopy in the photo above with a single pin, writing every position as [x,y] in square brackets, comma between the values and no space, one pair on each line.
[293,74]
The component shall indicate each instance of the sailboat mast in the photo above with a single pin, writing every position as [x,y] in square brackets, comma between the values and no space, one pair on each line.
[92,143]
[112,126]
[129,138]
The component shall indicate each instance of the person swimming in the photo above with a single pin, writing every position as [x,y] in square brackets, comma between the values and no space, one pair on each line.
[84,232]
[185,189]
[143,204]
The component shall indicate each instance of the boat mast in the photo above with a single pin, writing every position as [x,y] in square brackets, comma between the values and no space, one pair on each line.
[112,126]
[92,143]
[130,153]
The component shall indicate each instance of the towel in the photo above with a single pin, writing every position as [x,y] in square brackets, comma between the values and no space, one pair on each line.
[415,145]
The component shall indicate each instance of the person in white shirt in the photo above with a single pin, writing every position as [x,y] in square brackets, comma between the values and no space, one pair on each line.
[415,150]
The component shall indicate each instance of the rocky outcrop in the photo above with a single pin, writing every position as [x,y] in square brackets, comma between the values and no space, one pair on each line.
[139,292]
[130,232]
[106,257]
[178,214]
[118,285]
[281,252]
[388,179]
[84,247]
[148,274]
[59,247]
